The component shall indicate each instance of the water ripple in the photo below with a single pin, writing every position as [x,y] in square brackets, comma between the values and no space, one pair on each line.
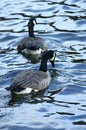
[62,24]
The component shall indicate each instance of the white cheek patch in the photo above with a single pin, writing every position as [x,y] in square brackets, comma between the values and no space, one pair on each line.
[34,22]
[52,59]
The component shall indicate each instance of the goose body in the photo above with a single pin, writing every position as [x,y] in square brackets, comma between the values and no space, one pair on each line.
[31,44]
[29,80]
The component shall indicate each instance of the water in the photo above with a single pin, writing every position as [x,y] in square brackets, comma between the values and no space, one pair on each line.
[63,25]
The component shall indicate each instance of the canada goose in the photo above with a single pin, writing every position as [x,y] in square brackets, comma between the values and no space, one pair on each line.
[29,80]
[31,44]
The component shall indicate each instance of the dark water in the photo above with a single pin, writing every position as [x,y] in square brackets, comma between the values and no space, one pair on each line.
[63,105]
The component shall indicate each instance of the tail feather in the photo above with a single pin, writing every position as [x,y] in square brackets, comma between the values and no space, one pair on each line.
[14,89]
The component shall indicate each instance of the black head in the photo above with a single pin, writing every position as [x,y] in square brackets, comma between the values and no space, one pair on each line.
[52,57]
[51,54]
[31,24]
[32,21]
[47,55]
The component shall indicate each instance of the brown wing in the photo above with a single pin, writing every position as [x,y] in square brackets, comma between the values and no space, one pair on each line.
[32,43]
[33,79]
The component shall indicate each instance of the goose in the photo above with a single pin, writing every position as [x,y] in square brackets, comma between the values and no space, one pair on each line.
[33,80]
[31,45]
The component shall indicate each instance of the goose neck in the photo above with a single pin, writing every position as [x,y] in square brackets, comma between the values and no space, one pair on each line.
[43,66]
[31,31]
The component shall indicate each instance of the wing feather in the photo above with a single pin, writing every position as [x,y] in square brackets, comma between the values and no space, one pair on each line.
[31,79]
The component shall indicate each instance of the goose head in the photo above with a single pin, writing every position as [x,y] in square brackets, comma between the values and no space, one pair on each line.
[31,24]
[52,57]
[48,55]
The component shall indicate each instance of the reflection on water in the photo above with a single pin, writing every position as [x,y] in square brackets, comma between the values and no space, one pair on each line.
[63,26]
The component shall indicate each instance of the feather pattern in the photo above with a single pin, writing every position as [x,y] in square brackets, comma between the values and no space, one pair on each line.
[37,80]
[31,42]
[33,80]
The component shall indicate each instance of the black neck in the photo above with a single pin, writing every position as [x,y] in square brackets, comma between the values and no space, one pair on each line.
[31,31]
[43,66]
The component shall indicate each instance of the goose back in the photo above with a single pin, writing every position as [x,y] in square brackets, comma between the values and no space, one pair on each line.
[36,80]
[31,43]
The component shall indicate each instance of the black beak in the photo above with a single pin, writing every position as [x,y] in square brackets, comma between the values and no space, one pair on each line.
[52,63]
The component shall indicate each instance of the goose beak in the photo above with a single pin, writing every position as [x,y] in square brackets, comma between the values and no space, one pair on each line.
[52,63]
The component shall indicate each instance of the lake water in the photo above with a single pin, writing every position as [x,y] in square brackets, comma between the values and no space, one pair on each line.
[62,106]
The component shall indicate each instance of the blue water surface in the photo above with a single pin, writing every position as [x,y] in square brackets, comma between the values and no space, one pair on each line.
[62,106]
